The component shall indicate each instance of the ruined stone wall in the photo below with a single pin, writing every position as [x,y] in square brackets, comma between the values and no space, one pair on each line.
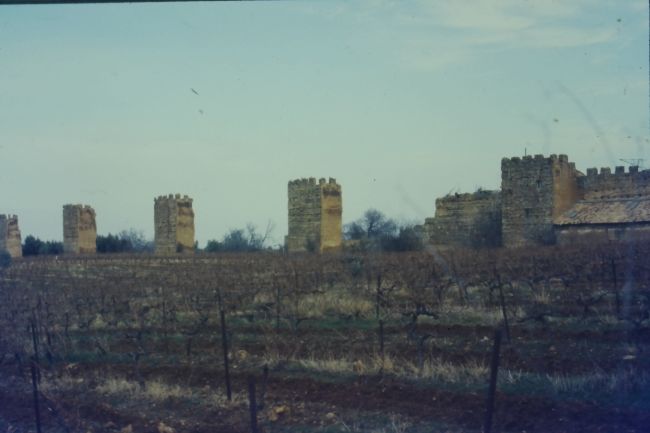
[10,239]
[566,185]
[331,230]
[315,211]
[173,224]
[79,229]
[466,220]
[619,184]
[304,215]
[534,191]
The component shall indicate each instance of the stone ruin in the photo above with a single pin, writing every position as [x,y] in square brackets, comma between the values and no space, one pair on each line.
[546,200]
[535,191]
[315,211]
[10,240]
[467,220]
[615,206]
[173,224]
[79,229]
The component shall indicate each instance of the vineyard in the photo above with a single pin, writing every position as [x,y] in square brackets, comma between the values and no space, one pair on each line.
[265,342]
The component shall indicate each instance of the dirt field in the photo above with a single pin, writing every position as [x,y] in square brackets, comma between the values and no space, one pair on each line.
[134,344]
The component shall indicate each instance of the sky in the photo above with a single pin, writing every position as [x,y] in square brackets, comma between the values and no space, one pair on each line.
[400,101]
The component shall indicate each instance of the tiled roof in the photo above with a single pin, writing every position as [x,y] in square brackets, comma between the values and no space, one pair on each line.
[607,211]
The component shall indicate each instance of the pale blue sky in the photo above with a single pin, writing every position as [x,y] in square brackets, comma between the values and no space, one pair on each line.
[402,102]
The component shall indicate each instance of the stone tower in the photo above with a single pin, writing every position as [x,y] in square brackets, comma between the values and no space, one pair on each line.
[79,229]
[315,211]
[10,240]
[535,191]
[174,224]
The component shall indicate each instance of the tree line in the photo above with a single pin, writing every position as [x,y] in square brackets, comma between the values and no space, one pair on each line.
[374,231]
[131,241]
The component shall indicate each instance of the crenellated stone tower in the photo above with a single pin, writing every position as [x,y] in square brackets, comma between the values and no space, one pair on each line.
[10,240]
[79,229]
[315,211]
[174,224]
[535,191]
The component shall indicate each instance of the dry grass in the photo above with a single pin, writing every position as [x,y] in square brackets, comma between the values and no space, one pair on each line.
[619,382]
[387,363]
[610,320]
[157,390]
[434,369]
[622,381]
[475,373]
[154,390]
[395,424]
[340,302]
[62,383]
[447,372]
[329,364]
[472,315]
[542,297]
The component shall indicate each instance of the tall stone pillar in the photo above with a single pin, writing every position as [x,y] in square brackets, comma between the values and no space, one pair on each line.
[315,213]
[173,224]
[10,239]
[79,229]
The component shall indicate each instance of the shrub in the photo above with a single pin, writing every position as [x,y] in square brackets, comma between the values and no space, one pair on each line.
[5,259]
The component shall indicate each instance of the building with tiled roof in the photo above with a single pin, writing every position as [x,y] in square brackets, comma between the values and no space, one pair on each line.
[616,206]
[546,200]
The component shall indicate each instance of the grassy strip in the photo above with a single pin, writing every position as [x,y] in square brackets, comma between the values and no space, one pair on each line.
[627,386]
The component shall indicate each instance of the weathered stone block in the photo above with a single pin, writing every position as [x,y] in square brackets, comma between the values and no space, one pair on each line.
[605,185]
[79,229]
[315,211]
[466,220]
[173,224]
[534,192]
[10,239]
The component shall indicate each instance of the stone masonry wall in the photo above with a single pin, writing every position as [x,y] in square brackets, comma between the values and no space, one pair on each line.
[331,230]
[10,239]
[619,184]
[598,233]
[315,211]
[466,220]
[79,229]
[173,224]
[534,191]
[304,215]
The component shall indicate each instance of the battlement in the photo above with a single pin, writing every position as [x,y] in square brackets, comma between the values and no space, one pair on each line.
[9,217]
[618,171]
[305,182]
[79,207]
[537,159]
[618,184]
[330,181]
[177,198]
